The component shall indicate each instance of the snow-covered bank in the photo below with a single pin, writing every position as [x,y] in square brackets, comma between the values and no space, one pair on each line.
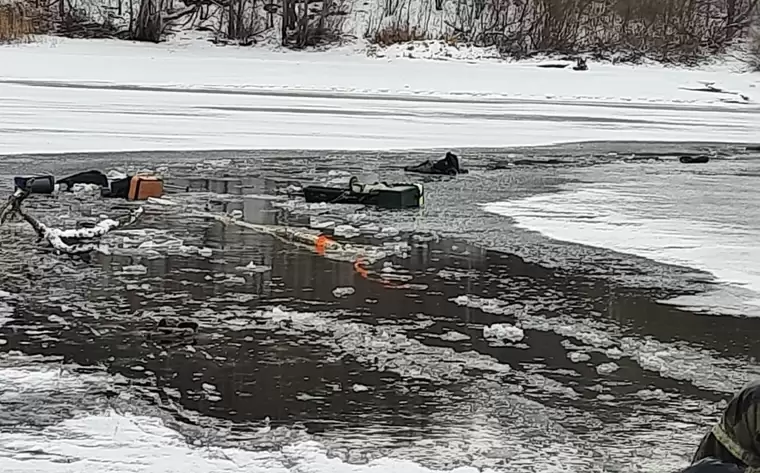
[78,95]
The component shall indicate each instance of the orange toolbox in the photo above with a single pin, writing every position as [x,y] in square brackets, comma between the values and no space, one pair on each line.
[141,187]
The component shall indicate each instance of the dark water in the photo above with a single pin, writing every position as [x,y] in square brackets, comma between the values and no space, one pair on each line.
[382,366]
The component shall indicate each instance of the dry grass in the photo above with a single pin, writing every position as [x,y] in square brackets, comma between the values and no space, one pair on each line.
[397,33]
[15,23]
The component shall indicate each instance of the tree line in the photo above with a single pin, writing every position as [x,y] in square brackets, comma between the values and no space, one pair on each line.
[624,30]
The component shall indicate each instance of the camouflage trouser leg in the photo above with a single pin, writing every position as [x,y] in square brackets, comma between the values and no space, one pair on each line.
[738,432]
[710,447]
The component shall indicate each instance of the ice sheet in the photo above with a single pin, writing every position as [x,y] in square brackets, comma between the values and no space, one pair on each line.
[706,219]
[76,95]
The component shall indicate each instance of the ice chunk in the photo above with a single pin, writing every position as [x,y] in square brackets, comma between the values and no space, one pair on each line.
[346,231]
[253,268]
[454,337]
[614,353]
[607,368]
[578,357]
[83,189]
[134,269]
[320,224]
[114,175]
[343,291]
[501,332]
[387,232]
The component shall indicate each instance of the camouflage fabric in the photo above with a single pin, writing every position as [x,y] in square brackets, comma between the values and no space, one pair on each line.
[738,431]
[713,465]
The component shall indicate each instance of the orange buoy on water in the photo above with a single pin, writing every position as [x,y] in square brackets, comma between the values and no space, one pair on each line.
[321,243]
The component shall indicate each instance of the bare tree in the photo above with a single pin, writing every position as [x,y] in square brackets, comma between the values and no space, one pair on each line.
[754,40]
[153,17]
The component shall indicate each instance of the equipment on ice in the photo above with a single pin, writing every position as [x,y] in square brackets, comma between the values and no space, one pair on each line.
[380,194]
[448,166]
[136,187]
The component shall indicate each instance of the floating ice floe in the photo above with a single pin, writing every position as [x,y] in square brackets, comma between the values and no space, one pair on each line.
[578,357]
[211,392]
[85,189]
[320,224]
[503,332]
[253,268]
[607,368]
[346,231]
[454,336]
[369,228]
[134,269]
[387,232]
[343,291]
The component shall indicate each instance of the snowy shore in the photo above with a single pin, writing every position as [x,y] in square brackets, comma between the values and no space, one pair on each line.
[62,95]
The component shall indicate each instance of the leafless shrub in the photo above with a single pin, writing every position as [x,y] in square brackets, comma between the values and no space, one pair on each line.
[402,21]
[397,33]
[311,23]
[76,23]
[619,30]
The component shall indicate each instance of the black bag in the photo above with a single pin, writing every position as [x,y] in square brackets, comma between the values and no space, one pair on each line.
[36,185]
[118,189]
[86,177]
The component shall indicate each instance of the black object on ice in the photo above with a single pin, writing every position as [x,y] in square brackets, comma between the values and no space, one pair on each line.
[448,166]
[35,185]
[553,66]
[86,177]
[46,184]
[388,196]
[580,65]
[119,188]
[530,162]
[694,159]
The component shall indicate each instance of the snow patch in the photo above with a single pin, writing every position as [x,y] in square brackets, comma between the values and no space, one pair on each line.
[439,50]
